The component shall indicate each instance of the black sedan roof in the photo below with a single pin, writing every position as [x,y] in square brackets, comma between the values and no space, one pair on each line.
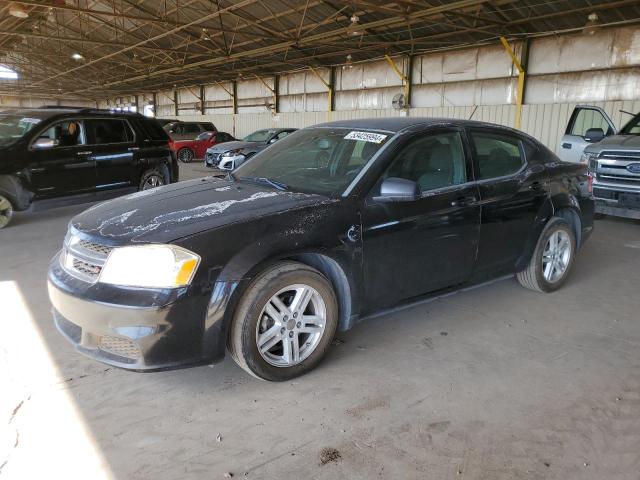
[397,124]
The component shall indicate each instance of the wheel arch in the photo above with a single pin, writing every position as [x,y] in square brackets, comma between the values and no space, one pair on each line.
[234,278]
[12,188]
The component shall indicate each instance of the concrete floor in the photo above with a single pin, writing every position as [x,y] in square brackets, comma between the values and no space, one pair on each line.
[493,383]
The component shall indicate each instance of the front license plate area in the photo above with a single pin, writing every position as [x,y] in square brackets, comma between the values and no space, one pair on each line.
[631,200]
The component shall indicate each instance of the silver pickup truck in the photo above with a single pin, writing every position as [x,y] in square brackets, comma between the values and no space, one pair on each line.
[613,157]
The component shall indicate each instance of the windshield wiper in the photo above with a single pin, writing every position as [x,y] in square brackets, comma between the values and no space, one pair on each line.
[273,183]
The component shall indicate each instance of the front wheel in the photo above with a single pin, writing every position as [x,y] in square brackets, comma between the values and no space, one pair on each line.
[185,155]
[284,323]
[6,211]
[552,259]
[151,179]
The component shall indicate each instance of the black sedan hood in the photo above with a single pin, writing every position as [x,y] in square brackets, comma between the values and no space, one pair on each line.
[167,213]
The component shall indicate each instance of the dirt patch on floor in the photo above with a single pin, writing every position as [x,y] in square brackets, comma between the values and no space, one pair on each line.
[367,405]
[329,454]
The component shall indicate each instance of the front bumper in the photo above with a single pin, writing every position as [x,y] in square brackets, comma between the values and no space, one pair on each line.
[145,330]
[617,201]
[215,160]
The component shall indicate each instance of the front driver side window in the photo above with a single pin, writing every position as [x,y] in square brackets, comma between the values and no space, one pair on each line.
[67,133]
[432,161]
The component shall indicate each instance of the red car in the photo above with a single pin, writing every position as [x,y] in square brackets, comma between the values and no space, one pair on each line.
[187,150]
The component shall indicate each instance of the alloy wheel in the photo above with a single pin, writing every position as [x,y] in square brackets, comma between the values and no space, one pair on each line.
[291,325]
[185,155]
[153,181]
[556,256]
[6,211]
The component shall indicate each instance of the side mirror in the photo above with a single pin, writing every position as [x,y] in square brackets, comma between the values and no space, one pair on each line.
[273,140]
[44,143]
[395,189]
[594,135]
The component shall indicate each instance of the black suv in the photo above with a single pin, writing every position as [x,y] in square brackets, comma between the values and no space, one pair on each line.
[57,156]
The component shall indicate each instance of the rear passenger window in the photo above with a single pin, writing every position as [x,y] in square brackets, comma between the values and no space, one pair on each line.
[498,155]
[101,131]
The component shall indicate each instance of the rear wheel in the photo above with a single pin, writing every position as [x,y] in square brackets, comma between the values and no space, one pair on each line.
[552,259]
[185,155]
[151,179]
[6,211]
[284,323]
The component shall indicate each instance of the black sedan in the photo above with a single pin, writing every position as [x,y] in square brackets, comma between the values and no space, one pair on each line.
[329,225]
[233,154]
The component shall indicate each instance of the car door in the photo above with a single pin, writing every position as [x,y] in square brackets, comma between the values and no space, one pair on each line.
[112,144]
[59,161]
[575,139]
[419,246]
[512,191]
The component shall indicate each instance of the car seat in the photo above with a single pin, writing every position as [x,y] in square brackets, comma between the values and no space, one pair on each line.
[439,171]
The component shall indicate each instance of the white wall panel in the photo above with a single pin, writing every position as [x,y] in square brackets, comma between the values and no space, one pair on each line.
[600,85]
[546,122]
[303,82]
[217,92]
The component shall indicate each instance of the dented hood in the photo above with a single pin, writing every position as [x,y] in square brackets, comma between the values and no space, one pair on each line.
[167,213]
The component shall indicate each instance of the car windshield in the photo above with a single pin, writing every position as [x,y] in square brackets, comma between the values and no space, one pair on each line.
[13,127]
[259,136]
[633,127]
[315,160]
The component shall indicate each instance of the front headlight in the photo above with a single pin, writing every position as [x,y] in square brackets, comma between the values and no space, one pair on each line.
[150,266]
[232,153]
[587,157]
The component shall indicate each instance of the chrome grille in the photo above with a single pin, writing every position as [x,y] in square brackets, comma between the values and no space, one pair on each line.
[94,247]
[119,346]
[83,259]
[214,158]
[611,167]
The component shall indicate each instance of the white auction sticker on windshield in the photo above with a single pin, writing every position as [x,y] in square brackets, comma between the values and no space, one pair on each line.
[30,120]
[366,137]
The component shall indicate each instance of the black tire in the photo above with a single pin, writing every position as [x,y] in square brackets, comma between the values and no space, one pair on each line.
[185,155]
[6,211]
[242,340]
[149,176]
[533,276]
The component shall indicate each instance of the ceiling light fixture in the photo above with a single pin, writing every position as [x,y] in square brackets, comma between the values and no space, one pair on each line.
[349,62]
[354,27]
[592,24]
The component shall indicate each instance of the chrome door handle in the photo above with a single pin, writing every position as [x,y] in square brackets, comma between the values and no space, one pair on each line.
[85,153]
[133,149]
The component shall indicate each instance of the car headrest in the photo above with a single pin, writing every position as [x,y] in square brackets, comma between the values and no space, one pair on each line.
[441,158]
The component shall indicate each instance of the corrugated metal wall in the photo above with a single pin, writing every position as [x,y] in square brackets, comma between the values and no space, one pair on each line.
[546,122]
[562,70]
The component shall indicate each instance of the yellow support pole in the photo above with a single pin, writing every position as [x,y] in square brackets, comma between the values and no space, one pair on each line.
[521,78]
[405,81]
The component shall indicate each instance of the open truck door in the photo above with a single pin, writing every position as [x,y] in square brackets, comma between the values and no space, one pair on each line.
[587,125]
